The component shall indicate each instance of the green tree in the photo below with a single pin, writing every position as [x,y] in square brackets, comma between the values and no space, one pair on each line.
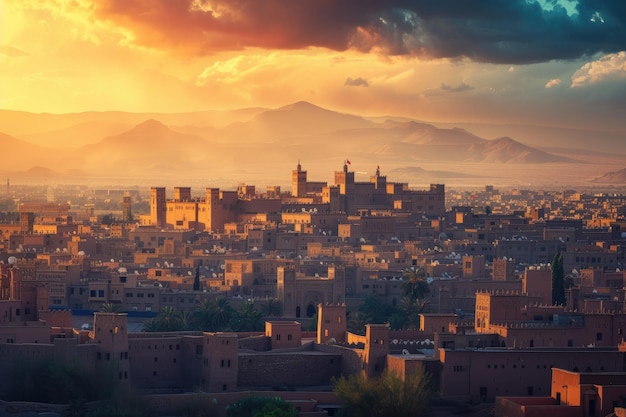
[415,285]
[247,319]
[150,325]
[111,308]
[357,321]
[186,320]
[214,315]
[411,308]
[386,395]
[168,320]
[558,280]
[376,310]
[257,406]
[271,307]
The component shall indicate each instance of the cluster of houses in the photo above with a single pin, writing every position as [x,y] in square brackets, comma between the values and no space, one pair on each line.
[489,329]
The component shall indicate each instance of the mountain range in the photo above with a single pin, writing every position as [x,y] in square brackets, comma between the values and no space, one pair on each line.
[262,146]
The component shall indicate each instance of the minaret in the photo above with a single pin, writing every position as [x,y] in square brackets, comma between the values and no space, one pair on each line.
[127,215]
[158,207]
[345,181]
[379,181]
[286,289]
[298,182]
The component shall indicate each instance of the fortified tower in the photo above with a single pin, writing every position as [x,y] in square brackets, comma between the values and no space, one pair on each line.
[376,348]
[331,323]
[338,275]
[345,181]
[286,289]
[158,207]
[111,335]
[127,215]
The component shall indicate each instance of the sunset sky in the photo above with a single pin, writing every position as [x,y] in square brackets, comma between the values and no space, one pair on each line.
[551,62]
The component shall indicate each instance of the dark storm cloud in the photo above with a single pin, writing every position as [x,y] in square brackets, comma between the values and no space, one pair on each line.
[356,82]
[497,31]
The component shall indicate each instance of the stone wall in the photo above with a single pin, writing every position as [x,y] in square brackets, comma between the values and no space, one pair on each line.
[257,343]
[285,370]
[351,359]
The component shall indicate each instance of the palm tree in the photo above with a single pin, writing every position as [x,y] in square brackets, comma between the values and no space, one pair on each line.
[248,319]
[415,285]
[411,308]
[186,319]
[110,308]
[150,325]
[271,307]
[213,315]
[168,320]
[376,310]
[357,321]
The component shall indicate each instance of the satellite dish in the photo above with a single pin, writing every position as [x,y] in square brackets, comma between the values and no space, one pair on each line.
[122,270]
[81,253]
[405,352]
[12,260]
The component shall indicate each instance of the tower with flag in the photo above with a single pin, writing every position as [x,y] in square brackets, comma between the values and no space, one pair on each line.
[345,181]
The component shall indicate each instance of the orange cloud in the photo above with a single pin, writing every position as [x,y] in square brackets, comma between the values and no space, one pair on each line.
[200,26]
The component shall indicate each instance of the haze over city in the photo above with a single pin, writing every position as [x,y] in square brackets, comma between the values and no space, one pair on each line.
[281,78]
[310,208]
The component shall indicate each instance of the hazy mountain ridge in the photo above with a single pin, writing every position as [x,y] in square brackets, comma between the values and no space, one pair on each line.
[550,137]
[612,177]
[507,150]
[265,144]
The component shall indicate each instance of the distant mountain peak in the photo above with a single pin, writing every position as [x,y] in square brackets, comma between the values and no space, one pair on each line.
[301,105]
[612,177]
[407,125]
[505,139]
[150,125]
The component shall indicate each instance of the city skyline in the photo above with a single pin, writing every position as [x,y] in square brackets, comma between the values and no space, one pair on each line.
[554,63]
